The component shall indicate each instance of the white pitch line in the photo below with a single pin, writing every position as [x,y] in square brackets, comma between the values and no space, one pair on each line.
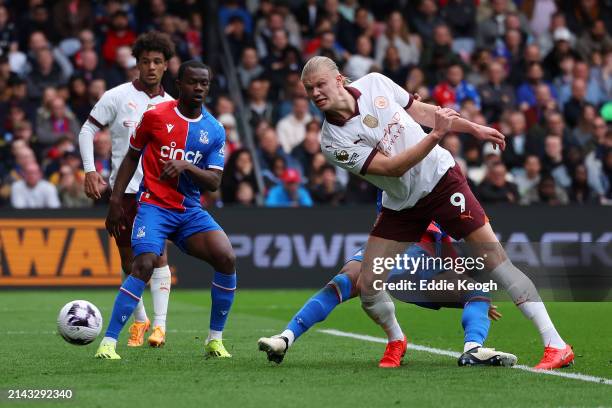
[449,353]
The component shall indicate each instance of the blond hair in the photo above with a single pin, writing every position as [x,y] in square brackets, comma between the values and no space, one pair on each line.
[320,63]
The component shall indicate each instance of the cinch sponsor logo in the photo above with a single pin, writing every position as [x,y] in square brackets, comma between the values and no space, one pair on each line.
[171,152]
[57,252]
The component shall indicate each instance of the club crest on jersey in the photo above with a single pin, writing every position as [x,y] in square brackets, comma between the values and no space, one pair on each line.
[203,137]
[381,102]
[141,232]
[370,121]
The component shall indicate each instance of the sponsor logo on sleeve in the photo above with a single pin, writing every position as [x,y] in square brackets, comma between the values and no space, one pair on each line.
[341,155]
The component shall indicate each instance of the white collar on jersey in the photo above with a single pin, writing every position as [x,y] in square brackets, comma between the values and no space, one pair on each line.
[185,117]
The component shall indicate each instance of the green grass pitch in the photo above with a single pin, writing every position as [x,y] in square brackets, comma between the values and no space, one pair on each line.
[320,370]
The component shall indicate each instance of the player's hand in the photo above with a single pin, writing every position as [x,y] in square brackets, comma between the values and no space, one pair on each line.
[115,219]
[94,185]
[493,313]
[443,119]
[489,134]
[173,168]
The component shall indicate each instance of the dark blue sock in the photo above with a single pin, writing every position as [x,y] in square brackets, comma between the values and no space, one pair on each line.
[475,321]
[125,303]
[318,307]
[222,294]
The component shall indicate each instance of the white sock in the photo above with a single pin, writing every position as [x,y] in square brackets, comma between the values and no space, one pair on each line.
[214,335]
[470,345]
[525,295]
[160,293]
[290,337]
[536,312]
[140,314]
[381,309]
[107,340]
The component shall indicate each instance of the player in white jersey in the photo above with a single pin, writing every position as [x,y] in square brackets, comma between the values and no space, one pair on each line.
[373,129]
[121,109]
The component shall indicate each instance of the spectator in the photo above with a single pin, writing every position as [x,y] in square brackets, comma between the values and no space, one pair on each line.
[60,122]
[360,63]
[596,39]
[71,188]
[89,68]
[269,149]
[8,33]
[237,37]
[525,94]
[238,171]
[289,193]
[79,100]
[438,55]
[46,73]
[495,188]
[497,95]
[329,191]
[561,49]
[553,161]
[232,141]
[305,151]
[292,128]
[545,39]
[580,192]
[249,67]
[362,24]
[528,179]
[308,15]
[518,145]
[595,94]
[259,108]
[425,19]
[393,68]
[245,195]
[548,192]
[33,191]
[340,25]
[454,90]
[397,34]
[582,134]
[70,17]
[119,34]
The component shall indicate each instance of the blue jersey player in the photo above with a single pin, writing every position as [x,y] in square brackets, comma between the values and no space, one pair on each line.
[475,318]
[182,149]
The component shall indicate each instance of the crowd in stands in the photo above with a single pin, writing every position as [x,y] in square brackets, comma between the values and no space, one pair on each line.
[540,71]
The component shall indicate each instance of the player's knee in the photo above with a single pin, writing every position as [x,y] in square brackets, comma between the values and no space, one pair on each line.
[143,267]
[226,262]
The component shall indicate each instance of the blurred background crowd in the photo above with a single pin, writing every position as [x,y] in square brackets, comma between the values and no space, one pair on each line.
[540,71]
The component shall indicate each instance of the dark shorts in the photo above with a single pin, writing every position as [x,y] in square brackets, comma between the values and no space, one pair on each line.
[451,204]
[130,208]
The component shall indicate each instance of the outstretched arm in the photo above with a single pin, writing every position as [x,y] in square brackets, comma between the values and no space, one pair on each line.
[424,114]
[399,164]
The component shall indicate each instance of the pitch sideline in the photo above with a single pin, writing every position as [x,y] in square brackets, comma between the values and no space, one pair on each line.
[449,353]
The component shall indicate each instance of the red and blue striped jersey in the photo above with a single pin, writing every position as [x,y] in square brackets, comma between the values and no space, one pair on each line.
[165,134]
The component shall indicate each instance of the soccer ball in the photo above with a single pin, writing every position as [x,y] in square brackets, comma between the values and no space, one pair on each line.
[79,322]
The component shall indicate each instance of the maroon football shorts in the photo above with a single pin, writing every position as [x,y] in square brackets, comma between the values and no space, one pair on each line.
[130,208]
[451,204]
